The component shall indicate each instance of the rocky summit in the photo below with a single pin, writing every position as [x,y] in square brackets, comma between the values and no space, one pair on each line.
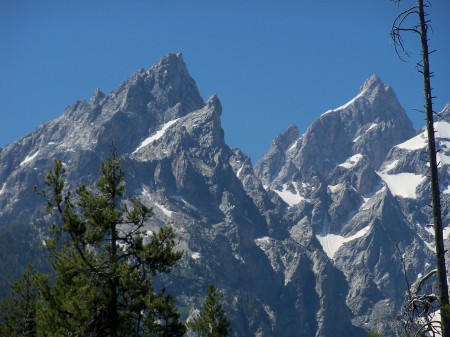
[308,242]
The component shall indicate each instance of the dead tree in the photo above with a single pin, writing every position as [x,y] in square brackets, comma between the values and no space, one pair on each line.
[418,315]
[400,27]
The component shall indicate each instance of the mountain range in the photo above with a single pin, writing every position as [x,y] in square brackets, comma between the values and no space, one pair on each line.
[312,240]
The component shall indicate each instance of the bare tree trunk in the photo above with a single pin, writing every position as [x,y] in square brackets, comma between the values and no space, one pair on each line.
[437,214]
[398,29]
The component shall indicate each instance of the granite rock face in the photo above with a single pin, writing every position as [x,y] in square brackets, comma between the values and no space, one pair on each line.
[306,243]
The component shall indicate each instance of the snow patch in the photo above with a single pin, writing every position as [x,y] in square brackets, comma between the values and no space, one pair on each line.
[29,158]
[352,161]
[442,130]
[179,198]
[416,143]
[442,159]
[351,101]
[367,197]
[332,242]
[430,246]
[264,240]
[238,173]
[293,146]
[402,184]
[238,257]
[145,193]
[390,166]
[3,188]
[445,231]
[334,188]
[436,318]
[356,139]
[123,246]
[157,135]
[346,104]
[165,210]
[372,126]
[446,191]
[271,314]
[288,197]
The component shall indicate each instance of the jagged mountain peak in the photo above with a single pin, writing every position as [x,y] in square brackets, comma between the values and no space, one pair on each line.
[371,82]
[166,86]
[170,69]
[286,140]
[374,116]
[214,104]
[318,219]
[372,93]
[170,60]
[199,129]
[287,137]
[167,67]
[140,105]
[445,113]
[97,97]
[269,165]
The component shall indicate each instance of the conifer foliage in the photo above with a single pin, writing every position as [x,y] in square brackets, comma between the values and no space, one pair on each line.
[212,320]
[104,262]
[18,313]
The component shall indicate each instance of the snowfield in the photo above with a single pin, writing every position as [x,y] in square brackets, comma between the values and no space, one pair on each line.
[157,135]
[332,242]
[402,184]
[442,129]
[416,143]
[352,161]
[420,141]
[288,197]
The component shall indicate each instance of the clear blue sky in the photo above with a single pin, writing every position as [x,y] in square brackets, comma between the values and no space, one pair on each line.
[271,63]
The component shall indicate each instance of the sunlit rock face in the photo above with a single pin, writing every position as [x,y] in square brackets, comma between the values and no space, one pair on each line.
[306,243]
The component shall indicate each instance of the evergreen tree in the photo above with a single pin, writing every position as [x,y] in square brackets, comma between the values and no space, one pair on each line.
[21,245]
[18,313]
[104,264]
[212,320]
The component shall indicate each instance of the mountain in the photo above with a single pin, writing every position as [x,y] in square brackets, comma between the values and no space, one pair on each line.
[309,242]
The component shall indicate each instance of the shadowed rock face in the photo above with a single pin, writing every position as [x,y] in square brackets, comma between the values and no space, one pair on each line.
[305,244]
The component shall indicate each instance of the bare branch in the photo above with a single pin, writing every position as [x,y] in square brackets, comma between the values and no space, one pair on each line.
[424,279]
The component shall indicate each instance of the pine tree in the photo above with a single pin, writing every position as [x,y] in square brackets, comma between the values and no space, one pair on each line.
[212,320]
[104,264]
[18,313]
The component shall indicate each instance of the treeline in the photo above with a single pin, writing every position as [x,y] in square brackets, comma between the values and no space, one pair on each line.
[103,267]
[20,245]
